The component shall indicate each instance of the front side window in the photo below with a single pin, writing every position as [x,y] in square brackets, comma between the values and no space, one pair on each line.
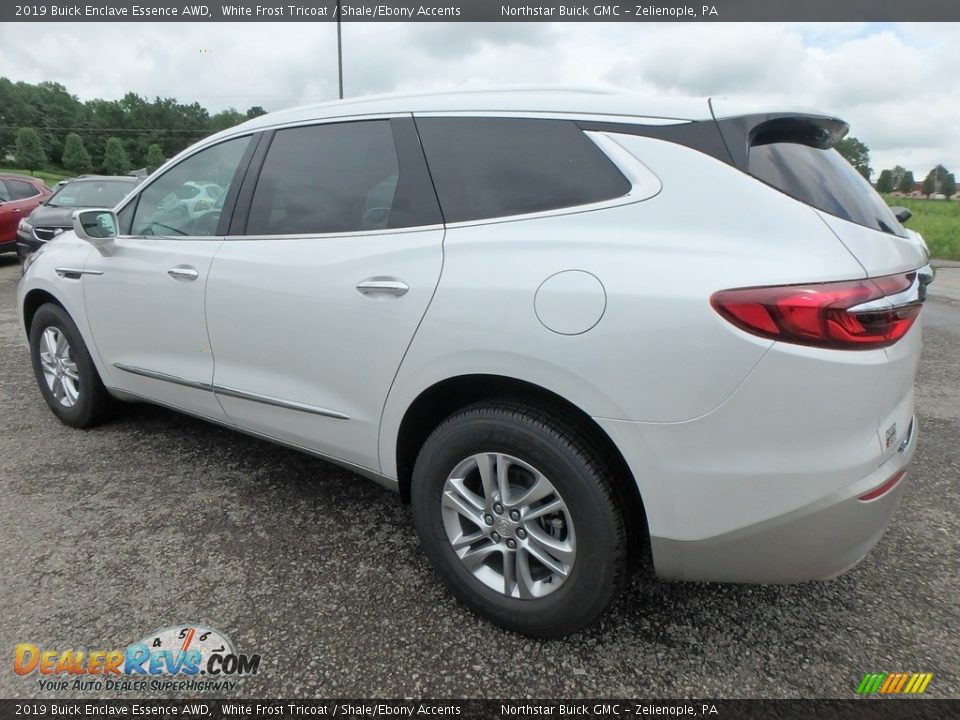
[497,167]
[340,177]
[180,202]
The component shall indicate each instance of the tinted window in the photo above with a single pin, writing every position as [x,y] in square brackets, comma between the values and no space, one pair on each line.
[823,179]
[4,193]
[494,167]
[20,190]
[91,193]
[173,204]
[342,177]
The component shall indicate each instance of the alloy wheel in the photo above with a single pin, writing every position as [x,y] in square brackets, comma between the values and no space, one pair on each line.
[508,525]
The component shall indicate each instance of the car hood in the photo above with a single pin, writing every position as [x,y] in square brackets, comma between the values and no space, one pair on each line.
[47,216]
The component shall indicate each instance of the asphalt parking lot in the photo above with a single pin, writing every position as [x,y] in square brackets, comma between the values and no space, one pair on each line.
[156,519]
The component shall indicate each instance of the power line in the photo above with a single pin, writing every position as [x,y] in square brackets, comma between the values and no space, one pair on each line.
[179,132]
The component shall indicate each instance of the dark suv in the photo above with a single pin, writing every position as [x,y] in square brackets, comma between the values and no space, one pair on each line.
[56,214]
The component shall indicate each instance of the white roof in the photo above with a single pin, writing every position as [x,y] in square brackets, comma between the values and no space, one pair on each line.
[585,102]
[514,99]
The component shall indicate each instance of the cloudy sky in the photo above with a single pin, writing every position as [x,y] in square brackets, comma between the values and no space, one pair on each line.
[896,84]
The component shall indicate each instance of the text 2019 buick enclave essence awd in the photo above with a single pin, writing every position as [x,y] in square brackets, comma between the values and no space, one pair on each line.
[563,325]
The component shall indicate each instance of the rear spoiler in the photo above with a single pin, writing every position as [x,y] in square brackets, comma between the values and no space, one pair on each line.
[729,139]
[744,131]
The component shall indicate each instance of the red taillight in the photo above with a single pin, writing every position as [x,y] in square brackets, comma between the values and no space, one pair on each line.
[842,315]
[889,485]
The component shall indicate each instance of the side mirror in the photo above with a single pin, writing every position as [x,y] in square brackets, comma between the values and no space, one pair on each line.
[901,213]
[95,226]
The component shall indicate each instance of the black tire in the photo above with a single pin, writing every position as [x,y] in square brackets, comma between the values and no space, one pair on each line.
[539,437]
[94,403]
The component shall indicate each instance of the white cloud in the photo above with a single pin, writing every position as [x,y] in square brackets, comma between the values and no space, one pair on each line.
[891,82]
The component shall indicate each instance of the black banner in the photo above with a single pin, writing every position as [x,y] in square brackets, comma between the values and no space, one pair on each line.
[478,11]
[854,709]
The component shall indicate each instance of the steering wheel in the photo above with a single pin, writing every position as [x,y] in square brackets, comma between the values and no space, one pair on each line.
[206,224]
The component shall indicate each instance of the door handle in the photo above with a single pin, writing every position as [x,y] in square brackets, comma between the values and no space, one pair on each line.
[183,272]
[382,286]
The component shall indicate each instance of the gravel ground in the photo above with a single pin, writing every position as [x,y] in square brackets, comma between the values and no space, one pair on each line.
[156,519]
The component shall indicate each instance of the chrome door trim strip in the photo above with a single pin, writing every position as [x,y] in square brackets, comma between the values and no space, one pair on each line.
[231,392]
[165,377]
[277,402]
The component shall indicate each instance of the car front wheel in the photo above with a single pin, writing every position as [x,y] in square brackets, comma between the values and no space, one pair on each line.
[64,370]
[520,518]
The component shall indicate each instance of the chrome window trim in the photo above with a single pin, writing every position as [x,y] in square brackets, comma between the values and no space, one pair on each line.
[323,236]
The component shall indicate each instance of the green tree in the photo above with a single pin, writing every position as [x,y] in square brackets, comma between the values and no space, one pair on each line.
[115,158]
[30,154]
[933,182]
[857,154]
[949,186]
[906,183]
[885,182]
[225,119]
[75,158]
[154,158]
[898,172]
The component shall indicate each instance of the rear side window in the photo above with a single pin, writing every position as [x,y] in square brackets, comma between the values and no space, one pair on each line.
[342,177]
[822,178]
[496,167]
[20,190]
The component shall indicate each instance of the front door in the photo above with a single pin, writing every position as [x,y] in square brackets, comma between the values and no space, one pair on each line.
[144,292]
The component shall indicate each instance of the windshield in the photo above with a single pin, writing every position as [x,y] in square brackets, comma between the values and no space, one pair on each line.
[91,193]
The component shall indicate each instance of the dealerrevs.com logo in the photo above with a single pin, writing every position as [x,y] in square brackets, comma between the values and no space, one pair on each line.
[182,657]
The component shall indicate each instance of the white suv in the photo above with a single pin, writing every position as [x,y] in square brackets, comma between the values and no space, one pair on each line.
[568,327]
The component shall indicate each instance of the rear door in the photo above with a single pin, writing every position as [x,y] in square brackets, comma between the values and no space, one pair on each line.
[332,260]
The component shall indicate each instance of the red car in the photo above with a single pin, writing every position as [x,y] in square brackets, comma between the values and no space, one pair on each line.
[19,195]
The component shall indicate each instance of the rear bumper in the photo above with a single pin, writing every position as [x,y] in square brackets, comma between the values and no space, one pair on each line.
[815,542]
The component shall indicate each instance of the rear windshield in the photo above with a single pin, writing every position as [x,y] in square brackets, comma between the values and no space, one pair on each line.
[91,193]
[823,179]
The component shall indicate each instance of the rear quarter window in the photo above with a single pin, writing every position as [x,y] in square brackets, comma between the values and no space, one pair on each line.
[497,167]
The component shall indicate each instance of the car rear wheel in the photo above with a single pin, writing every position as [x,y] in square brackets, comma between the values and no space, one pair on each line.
[64,370]
[520,518]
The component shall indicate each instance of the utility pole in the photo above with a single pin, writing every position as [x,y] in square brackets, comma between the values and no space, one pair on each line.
[339,53]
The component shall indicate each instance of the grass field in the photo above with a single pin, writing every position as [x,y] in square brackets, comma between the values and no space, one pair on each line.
[938,221]
[50,178]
